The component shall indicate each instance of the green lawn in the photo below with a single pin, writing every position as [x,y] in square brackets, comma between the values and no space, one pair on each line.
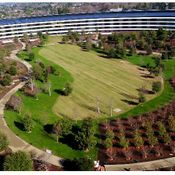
[167,94]
[94,78]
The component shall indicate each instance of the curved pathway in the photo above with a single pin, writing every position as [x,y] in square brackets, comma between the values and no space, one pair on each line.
[150,165]
[16,143]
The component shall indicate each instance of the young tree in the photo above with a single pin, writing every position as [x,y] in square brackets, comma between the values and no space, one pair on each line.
[57,130]
[28,123]
[3,141]
[6,80]
[141,97]
[18,161]
[67,89]
[124,143]
[156,86]
[152,140]
[171,123]
[138,139]
[166,138]
[31,56]
[161,127]
[108,143]
[12,70]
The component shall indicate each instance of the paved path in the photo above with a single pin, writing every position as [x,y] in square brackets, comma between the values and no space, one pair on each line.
[151,165]
[16,143]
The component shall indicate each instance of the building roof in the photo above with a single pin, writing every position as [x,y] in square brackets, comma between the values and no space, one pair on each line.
[88,16]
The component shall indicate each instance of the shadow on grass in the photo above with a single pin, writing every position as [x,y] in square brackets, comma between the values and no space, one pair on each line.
[19,125]
[48,128]
[130,102]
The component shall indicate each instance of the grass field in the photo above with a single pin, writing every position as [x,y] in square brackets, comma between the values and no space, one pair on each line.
[95,79]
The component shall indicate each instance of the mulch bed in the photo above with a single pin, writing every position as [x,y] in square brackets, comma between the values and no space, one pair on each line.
[117,155]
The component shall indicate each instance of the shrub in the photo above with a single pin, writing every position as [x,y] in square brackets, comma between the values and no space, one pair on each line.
[141,97]
[27,122]
[108,143]
[3,141]
[12,70]
[18,161]
[6,80]
[161,127]
[31,56]
[166,138]
[124,143]
[156,86]
[67,89]
[152,140]
[171,123]
[138,141]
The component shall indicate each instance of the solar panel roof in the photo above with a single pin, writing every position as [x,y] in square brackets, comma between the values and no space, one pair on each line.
[88,16]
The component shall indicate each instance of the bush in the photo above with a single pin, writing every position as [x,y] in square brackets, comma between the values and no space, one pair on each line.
[171,123]
[108,143]
[6,80]
[3,141]
[141,97]
[78,164]
[12,70]
[19,161]
[31,56]
[156,86]
[67,89]
[28,123]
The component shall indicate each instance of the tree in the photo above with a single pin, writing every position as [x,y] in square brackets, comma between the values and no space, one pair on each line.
[164,55]
[161,127]
[156,86]
[79,164]
[67,89]
[124,143]
[27,122]
[12,70]
[31,56]
[171,123]
[3,141]
[38,72]
[18,161]
[57,130]
[110,134]
[6,80]
[166,138]
[66,126]
[84,135]
[152,140]
[108,143]
[141,97]
[138,141]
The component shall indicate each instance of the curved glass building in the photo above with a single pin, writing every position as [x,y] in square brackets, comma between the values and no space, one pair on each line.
[105,22]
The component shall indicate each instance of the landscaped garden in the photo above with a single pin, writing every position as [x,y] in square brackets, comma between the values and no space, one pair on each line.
[96,86]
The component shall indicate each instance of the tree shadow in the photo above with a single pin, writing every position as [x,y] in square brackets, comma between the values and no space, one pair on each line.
[130,102]
[59,91]
[2,158]
[128,96]
[19,125]
[145,91]
[48,128]
[147,76]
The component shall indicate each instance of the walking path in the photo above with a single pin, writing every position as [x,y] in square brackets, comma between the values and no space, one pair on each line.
[151,165]
[16,143]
